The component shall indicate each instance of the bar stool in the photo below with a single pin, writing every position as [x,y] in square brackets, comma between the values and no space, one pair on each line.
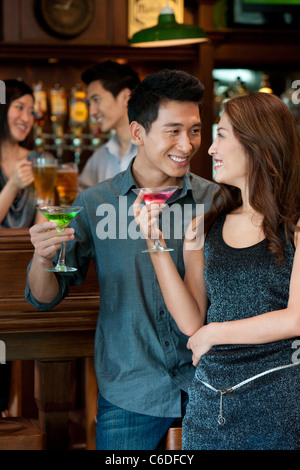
[20,434]
[173,439]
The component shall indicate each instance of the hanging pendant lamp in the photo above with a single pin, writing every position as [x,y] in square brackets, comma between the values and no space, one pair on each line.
[168,32]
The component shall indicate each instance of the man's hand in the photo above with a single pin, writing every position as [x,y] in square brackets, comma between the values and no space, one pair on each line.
[47,240]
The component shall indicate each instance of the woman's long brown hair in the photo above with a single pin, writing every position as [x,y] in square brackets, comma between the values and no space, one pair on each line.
[267,131]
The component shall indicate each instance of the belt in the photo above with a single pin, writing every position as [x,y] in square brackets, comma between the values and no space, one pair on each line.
[221,419]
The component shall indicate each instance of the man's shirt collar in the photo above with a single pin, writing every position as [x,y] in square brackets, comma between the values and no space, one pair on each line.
[129,183]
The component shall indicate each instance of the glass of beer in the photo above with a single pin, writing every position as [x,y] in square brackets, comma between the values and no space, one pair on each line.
[44,171]
[67,183]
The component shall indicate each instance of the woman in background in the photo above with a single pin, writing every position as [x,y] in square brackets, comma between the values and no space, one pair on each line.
[240,299]
[17,200]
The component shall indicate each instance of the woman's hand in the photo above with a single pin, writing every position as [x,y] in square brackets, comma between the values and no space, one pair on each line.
[22,175]
[146,218]
[200,343]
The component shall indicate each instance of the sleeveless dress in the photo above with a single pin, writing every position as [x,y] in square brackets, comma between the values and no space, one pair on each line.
[245,397]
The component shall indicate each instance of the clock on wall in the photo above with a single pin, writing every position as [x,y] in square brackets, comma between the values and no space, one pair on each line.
[65,18]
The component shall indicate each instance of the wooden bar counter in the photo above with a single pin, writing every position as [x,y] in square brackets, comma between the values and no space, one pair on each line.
[53,339]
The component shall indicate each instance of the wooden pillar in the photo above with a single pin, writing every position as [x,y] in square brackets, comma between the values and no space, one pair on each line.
[54,392]
[91,397]
[202,164]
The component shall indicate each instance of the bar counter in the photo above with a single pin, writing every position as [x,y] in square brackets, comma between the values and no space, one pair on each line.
[53,339]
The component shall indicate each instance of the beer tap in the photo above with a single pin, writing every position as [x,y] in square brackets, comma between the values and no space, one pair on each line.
[78,118]
[95,133]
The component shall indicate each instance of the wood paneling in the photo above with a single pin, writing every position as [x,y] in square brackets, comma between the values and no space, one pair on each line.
[21,25]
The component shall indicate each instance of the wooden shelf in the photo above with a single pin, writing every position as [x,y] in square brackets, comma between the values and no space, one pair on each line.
[255,47]
[254,35]
[92,53]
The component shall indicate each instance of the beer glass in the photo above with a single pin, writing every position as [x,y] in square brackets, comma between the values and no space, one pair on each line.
[67,183]
[44,171]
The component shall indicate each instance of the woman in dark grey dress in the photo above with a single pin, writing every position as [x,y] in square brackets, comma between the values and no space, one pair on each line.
[240,300]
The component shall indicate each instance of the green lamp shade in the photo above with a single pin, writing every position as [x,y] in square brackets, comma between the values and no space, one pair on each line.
[168,33]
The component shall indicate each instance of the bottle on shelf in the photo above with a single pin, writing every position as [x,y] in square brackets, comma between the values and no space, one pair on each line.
[237,88]
[265,85]
[59,111]
[40,113]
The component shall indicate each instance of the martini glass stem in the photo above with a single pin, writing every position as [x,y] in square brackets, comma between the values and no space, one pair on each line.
[61,258]
[157,244]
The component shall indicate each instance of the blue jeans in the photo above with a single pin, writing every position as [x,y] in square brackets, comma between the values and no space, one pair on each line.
[119,429]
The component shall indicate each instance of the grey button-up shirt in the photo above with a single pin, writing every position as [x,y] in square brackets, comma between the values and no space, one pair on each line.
[141,358]
[106,162]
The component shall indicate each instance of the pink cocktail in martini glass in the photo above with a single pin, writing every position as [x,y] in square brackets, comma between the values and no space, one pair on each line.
[157,195]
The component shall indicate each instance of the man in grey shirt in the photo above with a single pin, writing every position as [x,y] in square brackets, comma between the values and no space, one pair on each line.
[109,86]
[142,364]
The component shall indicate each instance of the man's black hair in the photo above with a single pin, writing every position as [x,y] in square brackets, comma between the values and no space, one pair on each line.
[159,87]
[113,76]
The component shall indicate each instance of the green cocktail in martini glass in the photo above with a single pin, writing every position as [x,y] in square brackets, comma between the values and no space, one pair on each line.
[63,216]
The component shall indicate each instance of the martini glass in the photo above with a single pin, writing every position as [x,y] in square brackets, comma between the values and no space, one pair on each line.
[63,216]
[157,195]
